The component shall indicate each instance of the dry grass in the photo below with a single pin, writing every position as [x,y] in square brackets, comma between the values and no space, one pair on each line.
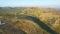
[48,16]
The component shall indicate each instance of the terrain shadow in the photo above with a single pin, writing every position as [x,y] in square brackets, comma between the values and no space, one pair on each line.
[39,22]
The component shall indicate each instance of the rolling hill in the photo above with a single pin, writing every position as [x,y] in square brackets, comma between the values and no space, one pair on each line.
[49,16]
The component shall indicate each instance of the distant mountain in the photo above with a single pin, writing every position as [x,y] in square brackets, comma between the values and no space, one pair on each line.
[11,8]
[19,8]
[58,8]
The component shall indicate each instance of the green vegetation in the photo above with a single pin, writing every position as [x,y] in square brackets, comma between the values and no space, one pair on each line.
[51,17]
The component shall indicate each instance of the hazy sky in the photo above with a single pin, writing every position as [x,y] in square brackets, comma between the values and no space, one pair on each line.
[25,3]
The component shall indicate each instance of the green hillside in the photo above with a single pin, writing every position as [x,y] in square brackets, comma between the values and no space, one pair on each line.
[49,16]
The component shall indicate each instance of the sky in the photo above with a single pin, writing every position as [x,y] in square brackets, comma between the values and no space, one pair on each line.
[29,3]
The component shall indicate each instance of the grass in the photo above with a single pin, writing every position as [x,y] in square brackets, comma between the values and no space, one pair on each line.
[51,17]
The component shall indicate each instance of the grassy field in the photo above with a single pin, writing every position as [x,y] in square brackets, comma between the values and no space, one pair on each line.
[50,17]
